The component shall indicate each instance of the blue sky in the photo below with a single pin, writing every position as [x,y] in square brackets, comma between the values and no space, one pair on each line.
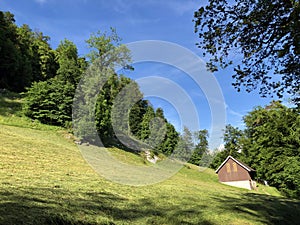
[136,20]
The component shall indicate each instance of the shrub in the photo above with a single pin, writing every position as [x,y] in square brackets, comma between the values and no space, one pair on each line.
[50,102]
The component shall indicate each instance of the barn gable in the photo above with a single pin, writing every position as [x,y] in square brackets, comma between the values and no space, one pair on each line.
[248,168]
[236,173]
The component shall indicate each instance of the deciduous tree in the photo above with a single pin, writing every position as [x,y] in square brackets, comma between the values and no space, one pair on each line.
[201,147]
[264,33]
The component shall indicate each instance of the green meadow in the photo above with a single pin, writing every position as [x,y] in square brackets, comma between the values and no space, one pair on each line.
[44,179]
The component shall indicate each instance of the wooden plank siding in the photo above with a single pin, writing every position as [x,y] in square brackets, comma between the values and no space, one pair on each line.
[232,171]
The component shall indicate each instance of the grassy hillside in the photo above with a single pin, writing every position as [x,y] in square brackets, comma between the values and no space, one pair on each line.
[45,180]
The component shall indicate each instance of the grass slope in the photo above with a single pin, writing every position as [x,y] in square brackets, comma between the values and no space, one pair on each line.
[45,180]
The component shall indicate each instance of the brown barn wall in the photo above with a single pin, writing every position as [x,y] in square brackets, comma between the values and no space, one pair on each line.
[232,171]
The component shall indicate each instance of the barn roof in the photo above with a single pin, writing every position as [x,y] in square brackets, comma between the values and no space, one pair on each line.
[246,167]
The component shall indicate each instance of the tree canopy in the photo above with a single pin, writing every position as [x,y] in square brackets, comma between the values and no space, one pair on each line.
[232,145]
[270,144]
[265,34]
[50,78]
[25,55]
[201,146]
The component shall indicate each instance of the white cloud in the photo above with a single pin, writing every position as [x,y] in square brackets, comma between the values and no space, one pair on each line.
[121,7]
[41,1]
[181,7]
[232,112]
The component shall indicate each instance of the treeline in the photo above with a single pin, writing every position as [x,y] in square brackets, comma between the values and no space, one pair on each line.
[25,55]
[49,77]
[270,143]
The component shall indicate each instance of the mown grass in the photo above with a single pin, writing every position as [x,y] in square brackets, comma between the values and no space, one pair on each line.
[45,180]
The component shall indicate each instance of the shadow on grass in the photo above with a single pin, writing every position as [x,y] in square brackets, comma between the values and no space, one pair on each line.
[60,207]
[8,105]
[55,206]
[266,209]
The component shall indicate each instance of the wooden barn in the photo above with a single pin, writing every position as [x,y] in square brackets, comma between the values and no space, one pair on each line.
[236,173]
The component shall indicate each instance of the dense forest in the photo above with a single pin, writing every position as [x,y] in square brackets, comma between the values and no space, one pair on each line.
[48,78]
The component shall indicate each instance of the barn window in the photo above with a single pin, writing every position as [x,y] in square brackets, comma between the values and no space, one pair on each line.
[234,167]
[228,168]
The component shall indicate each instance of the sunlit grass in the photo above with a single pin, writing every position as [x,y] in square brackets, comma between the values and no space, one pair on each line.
[45,180]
